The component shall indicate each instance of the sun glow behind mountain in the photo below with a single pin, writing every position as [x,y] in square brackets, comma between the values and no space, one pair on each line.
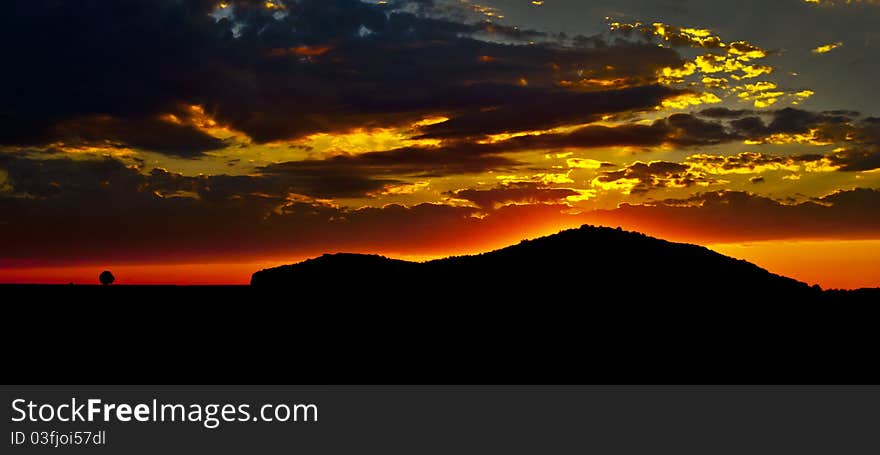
[225,137]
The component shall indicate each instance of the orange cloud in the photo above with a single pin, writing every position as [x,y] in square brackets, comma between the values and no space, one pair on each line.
[301,51]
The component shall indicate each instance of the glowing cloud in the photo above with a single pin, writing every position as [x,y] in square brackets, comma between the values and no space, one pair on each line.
[824,49]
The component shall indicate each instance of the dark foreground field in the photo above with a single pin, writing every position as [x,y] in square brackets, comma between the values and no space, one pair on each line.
[244,335]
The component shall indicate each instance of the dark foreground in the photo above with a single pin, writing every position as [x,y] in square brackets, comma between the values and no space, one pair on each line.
[235,335]
[584,306]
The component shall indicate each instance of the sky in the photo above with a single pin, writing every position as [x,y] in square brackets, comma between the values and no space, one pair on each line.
[194,141]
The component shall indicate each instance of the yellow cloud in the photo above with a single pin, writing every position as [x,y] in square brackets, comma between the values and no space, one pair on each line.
[428,121]
[720,70]
[672,75]
[581,163]
[362,140]
[743,163]
[752,71]
[822,165]
[500,137]
[745,51]
[194,115]
[809,138]
[714,63]
[758,163]
[690,99]
[551,178]
[583,195]
[625,186]
[714,82]
[802,95]
[762,94]
[405,188]
[545,178]
[824,49]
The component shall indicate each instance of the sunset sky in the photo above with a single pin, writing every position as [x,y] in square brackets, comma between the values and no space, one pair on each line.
[191,141]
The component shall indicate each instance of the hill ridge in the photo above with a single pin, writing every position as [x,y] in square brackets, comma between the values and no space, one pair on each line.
[606,261]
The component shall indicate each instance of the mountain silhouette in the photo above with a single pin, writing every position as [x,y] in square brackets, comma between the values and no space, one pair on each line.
[587,264]
[588,305]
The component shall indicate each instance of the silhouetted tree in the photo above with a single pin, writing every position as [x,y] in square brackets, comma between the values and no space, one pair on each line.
[106,278]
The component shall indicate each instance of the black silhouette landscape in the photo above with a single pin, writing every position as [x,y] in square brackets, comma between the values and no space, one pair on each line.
[589,265]
[588,305]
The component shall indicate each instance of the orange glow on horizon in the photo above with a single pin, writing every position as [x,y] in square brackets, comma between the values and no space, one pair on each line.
[829,263]
[833,264]
[134,274]
[469,241]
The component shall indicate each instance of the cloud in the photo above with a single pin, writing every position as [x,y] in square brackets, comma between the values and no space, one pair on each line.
[705,128]
[856,159]
[753,163]
[674,35]
[458,158]
[726,113]
[734,60]
[111,212]
[736,216]
[548,109]
[54,177]
[682,130]
[825,48]
[515,193]
[298,68]
[858,137]
[461,156]
[153,134]
[642,177]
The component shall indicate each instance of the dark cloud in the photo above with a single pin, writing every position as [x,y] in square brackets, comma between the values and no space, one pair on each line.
[55,177]
[524,192]
[862,152]
[125,60]
[732,216]
[858,136]
[553,107]
[459,158]
[784,121]
[856,159]
[307,66]
[752,127]
[791,120]
[683,130]
[725,113]
[464,156]
[64,211]
[152,134]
